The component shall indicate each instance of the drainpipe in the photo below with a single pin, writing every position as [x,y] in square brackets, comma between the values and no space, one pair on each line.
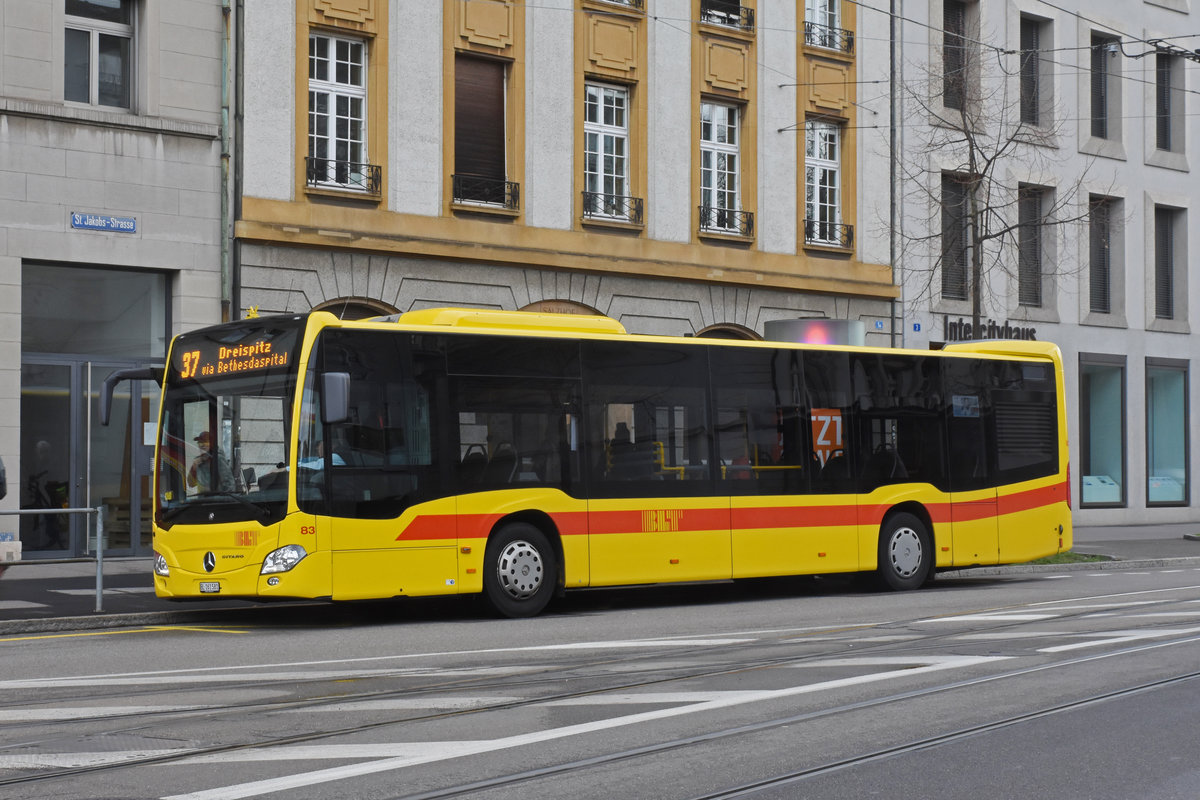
[893,210]
[227,307]
[235,275]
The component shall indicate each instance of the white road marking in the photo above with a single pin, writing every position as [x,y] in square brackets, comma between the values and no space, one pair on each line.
[1006,635]
[28,761]
[426,752]
[433,702]
[107,590]
[83,712]
[265,677]
[1101,638]
[231,672]
[15,604]
[1085,606]
[1165,614]
[1002,616]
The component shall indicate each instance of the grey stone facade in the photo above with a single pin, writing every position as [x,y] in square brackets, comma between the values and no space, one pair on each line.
[288,280]
[156,162]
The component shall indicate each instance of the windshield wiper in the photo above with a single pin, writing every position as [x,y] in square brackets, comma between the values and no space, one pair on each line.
[262,512]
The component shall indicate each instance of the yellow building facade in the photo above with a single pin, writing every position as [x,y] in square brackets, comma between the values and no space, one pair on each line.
[688,167]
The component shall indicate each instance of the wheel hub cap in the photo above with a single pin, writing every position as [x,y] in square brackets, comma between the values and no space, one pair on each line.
[905,552]
[520,570]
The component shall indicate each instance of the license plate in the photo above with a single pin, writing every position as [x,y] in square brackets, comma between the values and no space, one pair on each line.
[210,587]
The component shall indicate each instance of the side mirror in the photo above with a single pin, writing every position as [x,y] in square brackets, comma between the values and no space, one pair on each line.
[335,397]
[110,383]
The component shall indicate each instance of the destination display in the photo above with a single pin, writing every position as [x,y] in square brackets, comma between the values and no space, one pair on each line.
[199,356]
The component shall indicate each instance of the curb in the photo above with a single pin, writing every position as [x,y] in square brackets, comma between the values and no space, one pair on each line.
[1086,566]
[104,621]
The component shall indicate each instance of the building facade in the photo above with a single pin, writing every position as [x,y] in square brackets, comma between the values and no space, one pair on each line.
[1051,145]
[110,231]
[687,167]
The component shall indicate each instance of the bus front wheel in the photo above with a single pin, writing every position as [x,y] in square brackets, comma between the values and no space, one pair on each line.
[905,552]
[519,571]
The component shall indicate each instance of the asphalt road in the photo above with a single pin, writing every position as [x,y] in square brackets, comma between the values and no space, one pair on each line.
[1073,684]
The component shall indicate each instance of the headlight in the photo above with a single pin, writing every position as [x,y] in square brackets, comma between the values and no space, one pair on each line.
[160,566]
[283,559]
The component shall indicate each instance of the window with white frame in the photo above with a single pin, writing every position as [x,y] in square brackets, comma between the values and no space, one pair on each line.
[606,154]
[719,168]
[822,184]
[822,24]
[98,52]
[337,107]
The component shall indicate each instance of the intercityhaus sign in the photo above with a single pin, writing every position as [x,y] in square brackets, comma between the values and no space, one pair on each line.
[961,330]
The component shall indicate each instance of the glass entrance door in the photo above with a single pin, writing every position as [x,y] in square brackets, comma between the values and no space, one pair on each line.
[68,459]
[47,458]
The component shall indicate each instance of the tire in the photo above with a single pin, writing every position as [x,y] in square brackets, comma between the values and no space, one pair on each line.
[905,553]
[520,571]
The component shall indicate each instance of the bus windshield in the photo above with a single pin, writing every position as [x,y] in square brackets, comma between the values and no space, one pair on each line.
[226,422]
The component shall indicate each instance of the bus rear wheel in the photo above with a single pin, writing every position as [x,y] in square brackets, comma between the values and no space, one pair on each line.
[519,570]
[905,552]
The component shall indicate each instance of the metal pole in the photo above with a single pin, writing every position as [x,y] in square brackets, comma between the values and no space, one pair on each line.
[99,511]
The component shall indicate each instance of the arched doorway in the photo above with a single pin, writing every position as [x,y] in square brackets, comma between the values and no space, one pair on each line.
[561,307]
[728,331]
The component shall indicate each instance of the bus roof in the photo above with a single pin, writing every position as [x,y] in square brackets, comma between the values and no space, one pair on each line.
[532,323]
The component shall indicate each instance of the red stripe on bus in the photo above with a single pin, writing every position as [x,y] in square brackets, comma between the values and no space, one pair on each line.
[793,516]
[657,520]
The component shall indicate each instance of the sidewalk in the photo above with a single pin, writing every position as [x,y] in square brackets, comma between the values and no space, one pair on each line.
[37,596]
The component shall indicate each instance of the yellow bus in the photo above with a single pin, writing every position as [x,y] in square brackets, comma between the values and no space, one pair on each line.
[519,455]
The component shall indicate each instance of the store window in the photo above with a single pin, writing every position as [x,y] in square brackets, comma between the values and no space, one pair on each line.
[1102,429]
[78,325]
[1166,431]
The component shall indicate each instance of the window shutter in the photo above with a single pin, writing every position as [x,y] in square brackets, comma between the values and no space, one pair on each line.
[1164,263]
[1099,87]
[954,53]
[1029,238]
[1162,73]
[1030,34]
[1100,257]
[954,238]
[479,117]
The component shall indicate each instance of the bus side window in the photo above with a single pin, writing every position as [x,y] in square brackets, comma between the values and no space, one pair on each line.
[968,410]
[827,382]
[659,393]
[762,440]
[897,410]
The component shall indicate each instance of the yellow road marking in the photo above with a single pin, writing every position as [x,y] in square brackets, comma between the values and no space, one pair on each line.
[154,629]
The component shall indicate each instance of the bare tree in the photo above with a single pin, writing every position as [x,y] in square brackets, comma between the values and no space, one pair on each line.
[980,113]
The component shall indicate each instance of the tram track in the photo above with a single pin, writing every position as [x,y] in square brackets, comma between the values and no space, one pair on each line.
[594,669]
[573,768]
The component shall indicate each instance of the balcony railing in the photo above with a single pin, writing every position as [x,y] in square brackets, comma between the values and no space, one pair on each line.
[333,174]
[832,38]
[834,234]
[726,220]
[722,12]
[638,4]
[612,206]
[486,191]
